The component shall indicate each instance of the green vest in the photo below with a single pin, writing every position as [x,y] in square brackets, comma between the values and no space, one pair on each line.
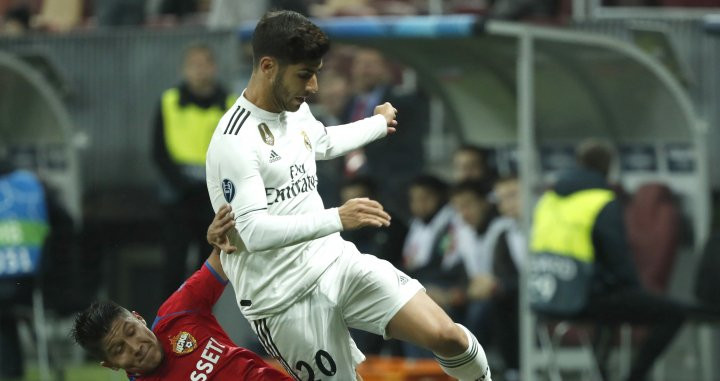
[189,128]
[563,255]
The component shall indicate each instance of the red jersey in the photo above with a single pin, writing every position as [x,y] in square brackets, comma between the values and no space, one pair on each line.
[196,347]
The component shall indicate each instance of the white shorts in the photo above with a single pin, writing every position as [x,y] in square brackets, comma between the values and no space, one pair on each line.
[311,338]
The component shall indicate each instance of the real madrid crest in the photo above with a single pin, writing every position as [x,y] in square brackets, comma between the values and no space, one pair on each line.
[266,135]
[306,138]
[183,343]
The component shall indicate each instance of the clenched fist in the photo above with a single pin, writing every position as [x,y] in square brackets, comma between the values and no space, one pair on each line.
[390,113]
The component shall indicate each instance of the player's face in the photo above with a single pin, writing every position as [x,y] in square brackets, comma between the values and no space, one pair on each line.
[471,208]
[131,346]
[293,83]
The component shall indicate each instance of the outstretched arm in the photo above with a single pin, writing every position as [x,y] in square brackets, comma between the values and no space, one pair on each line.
[236,179]
[338,140]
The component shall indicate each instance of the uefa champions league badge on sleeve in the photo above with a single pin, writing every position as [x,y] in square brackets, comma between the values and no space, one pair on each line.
[228,190]
[183,343]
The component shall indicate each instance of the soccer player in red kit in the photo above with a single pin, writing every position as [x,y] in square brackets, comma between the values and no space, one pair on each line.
[185,341]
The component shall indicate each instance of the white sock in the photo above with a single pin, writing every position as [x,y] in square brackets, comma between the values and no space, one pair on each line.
[470,365]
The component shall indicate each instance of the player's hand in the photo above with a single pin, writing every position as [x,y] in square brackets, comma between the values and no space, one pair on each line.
[222,224]
[390,113]
[360,212]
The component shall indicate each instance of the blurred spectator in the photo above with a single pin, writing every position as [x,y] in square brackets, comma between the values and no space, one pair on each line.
[523,9]
[120,12]
[471,162]
[581,266]
[470,200]
[331,99]
[299,6]
[506,245]
[59,15]
[179,8]
[16,21]
[399,157]
[334,8]
[385,243]
[229,14]
[431,252]
[35,232]
[184,123]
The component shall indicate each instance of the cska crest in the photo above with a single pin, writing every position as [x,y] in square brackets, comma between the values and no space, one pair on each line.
[183,343]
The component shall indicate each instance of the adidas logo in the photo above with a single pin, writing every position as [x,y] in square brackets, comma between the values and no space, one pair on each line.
[274,156]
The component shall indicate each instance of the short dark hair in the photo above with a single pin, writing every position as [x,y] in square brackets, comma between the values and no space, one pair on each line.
[366,182]
[506,178]
[479,151]
[480,188]
[431,183]
[92,325]
[596,155]
[289,37]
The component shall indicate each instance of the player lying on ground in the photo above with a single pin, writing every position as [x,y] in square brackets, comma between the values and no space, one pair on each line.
[185,341]
[296,280]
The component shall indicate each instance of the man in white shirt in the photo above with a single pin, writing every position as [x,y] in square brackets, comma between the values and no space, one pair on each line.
[296,280]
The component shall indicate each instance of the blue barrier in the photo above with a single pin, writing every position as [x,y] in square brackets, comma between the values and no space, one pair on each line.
[389,26]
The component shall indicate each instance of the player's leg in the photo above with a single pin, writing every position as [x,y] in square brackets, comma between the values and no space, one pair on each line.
[310,338]
[380,299]
[422,322]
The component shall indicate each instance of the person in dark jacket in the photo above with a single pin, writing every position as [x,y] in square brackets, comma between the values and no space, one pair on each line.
[400,157]
[613,290]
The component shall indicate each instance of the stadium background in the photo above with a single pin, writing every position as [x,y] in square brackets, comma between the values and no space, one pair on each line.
[77,97]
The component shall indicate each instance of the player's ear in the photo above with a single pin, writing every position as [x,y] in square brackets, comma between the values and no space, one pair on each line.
[106,364]
[268,66]
[137,316]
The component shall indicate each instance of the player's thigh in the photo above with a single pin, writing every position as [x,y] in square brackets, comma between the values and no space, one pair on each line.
[311,340]
[373,291]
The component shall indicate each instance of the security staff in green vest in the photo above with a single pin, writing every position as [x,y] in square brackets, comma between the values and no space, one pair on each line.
[581,265]
[185,120]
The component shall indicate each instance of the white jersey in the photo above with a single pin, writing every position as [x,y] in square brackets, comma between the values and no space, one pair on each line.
[515,238]
[263,165]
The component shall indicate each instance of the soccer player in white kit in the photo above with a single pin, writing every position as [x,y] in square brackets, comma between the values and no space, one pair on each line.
[297,282]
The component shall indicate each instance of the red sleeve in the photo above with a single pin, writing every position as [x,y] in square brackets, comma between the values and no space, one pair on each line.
[198,294]
[250,367]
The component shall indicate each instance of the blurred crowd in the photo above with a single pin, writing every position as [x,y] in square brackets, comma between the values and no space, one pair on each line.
[22,16]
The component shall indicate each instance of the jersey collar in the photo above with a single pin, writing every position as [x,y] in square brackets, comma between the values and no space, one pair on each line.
[257,111]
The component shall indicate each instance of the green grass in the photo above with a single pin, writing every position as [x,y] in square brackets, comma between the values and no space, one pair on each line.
[86,372]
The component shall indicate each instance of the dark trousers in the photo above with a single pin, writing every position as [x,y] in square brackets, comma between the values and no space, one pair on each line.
[11,354]
[506,330]
[186,224]
[636,306]
[13,293]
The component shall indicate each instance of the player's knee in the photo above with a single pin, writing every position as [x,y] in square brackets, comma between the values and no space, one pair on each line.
[448,339]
